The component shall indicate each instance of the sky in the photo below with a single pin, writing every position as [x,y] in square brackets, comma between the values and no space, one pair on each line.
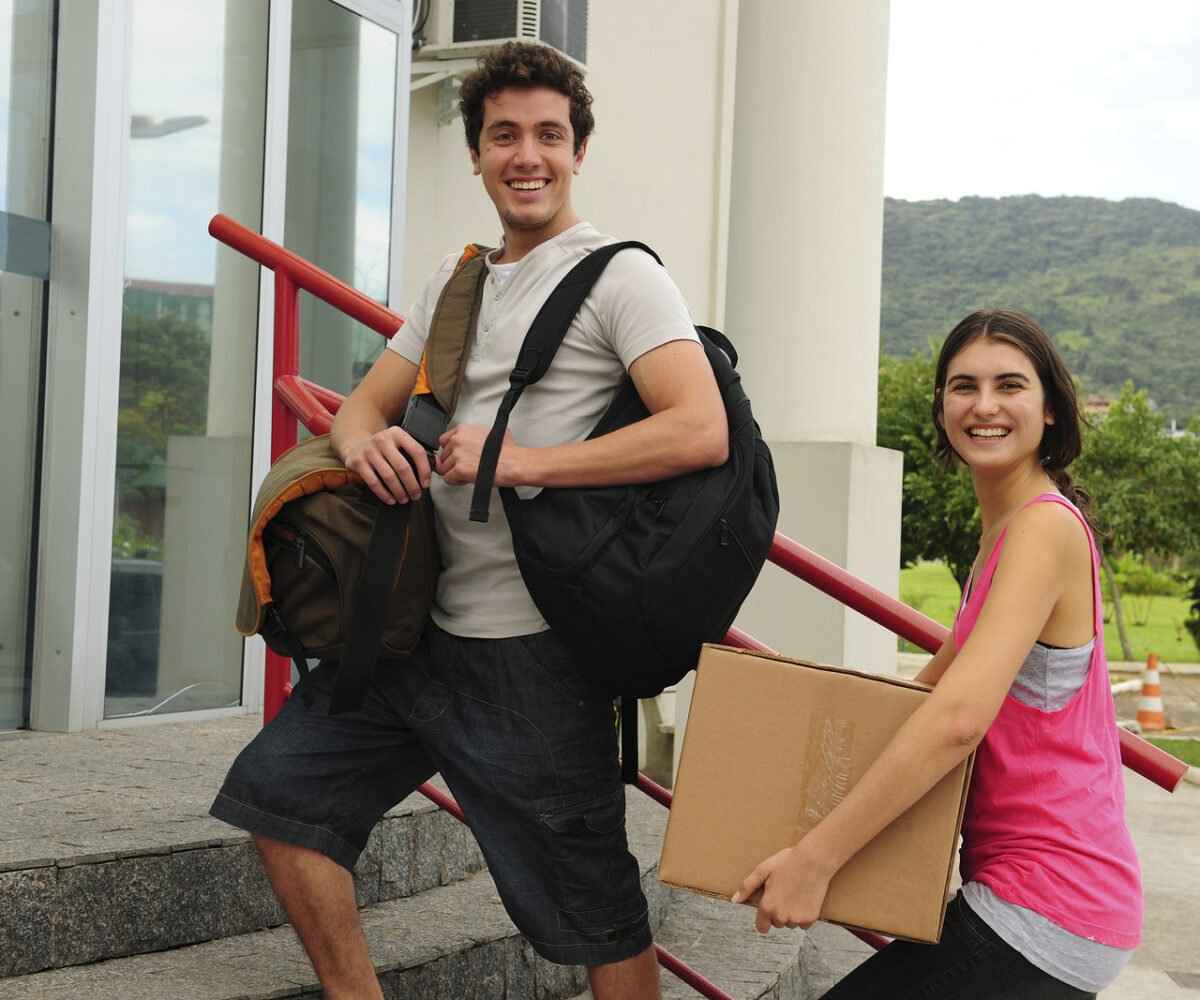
[1056,97]
[1052,97]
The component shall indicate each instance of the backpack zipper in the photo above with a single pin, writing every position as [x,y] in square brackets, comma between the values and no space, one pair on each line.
[314,554]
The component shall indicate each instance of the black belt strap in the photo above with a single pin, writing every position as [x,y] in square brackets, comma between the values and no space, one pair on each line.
[370,602]
[279,631]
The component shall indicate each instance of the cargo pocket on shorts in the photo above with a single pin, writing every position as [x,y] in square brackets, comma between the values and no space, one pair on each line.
[600,897]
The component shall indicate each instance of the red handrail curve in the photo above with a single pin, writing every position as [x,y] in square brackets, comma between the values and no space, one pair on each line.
[299,397]
[306,275]
[296,397]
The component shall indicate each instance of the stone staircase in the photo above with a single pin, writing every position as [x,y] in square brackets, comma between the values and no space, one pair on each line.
[114,882]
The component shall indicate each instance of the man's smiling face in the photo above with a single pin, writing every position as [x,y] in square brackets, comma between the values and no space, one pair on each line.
[527,159]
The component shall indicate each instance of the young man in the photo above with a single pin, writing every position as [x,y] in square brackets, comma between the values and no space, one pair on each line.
[491,699]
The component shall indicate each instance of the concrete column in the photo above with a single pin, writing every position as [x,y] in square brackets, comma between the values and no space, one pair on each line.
[204,527]
[806,214]
[321,176]
[805,243]
[805,247]
[240,195]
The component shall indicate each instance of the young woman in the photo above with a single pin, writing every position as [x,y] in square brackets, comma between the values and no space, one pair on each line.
[1051,904]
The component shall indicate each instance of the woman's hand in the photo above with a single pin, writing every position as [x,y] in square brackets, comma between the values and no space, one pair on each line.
[791,884]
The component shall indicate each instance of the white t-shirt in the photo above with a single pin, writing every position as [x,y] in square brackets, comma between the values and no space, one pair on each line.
[633,308]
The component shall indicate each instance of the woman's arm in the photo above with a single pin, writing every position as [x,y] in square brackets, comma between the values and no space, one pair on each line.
[942,732]
[932,672]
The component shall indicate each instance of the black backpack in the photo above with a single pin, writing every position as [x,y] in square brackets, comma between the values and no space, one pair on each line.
[634,579]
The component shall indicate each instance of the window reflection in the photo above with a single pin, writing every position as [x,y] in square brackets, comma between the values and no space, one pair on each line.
[339,197]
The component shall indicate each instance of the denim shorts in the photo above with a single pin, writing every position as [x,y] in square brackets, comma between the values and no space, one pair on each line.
[527,748]
[970,962]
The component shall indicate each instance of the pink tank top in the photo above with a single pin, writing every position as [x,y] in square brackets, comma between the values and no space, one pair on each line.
[1045,820]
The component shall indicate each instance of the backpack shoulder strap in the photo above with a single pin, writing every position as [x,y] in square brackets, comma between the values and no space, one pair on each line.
[450,331]
[537,351]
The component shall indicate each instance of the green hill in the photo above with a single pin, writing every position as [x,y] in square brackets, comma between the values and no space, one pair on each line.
[1117,284]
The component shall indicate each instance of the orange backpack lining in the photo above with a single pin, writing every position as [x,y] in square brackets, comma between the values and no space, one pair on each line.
[312,482]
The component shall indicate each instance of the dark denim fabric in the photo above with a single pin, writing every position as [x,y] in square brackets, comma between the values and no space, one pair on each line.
[970,962]
[528,749]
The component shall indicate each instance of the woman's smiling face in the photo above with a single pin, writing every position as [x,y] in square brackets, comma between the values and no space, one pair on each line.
[993,406]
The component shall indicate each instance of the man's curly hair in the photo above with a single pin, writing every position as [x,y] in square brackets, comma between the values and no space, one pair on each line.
[524,64]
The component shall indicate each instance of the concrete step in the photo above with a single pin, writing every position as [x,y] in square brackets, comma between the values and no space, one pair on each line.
[830,954]
[452,942]
[106,848]
[718,940]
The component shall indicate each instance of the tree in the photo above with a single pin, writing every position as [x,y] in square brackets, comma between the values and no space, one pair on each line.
[939,519]
[1144,484]
[163,391]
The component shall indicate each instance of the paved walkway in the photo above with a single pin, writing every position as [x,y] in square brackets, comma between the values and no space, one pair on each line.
[1166,829]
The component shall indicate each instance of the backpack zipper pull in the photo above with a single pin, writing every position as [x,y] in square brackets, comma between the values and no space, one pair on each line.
[723,540]
[300,552]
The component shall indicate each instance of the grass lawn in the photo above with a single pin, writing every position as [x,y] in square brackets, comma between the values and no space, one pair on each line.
[1186,750]
[1155,624]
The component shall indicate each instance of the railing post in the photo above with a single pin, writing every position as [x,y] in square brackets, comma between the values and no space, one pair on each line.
[287,360]
[286,349]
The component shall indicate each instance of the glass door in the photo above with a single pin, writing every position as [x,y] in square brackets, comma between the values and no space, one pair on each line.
[198,78]
[26,43]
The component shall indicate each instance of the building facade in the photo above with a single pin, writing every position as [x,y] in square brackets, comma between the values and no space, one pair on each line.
[744,140]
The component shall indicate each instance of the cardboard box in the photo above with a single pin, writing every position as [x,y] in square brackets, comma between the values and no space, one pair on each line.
[772,745]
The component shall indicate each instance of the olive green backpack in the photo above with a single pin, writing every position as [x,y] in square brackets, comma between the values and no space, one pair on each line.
[331,572]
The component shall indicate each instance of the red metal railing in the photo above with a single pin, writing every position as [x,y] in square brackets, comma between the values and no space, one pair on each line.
[297,398]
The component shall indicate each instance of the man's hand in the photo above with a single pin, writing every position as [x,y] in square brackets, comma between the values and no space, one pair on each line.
[460,449]
[793,885]
[392,464]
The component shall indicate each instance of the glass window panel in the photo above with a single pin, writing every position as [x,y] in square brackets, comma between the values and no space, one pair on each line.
[26,42]
[198,102]
[339,177]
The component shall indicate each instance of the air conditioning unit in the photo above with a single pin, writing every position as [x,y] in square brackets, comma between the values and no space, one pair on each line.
[462,29]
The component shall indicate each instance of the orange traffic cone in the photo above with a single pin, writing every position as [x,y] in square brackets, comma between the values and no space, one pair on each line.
[1150,705]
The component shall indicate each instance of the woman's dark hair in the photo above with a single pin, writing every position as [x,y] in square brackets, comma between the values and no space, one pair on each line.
[524,64]
[1061,440]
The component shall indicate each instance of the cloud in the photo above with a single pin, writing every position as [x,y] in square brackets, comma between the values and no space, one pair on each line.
[1042,97]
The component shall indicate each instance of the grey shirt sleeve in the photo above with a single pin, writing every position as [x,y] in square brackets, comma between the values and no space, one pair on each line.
[638,307]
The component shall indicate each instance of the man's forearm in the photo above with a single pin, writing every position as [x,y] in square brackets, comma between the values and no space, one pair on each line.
[357,418]
[665,444]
